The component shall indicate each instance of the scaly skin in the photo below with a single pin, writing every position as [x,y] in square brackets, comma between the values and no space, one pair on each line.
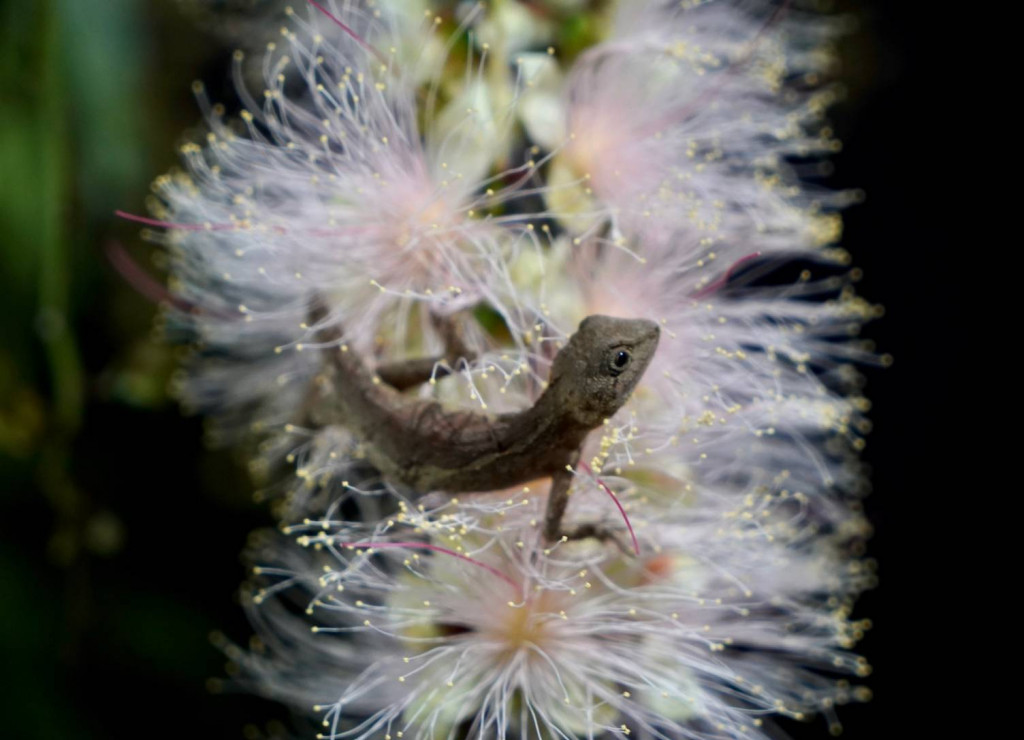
[418,444]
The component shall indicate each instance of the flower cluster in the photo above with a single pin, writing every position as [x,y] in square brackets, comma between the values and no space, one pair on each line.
[457,620]
[406,169]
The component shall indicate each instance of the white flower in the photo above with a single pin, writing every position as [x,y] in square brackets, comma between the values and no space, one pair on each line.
[751,388]
[326,191]
[672,172]
[469,627]
[747,382]
[681,118]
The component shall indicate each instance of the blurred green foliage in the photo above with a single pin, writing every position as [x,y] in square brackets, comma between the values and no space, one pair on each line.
[116,559]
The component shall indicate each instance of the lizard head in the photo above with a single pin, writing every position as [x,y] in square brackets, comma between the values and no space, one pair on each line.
[595,373]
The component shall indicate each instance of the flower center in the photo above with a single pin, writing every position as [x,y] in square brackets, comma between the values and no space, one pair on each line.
[523,627]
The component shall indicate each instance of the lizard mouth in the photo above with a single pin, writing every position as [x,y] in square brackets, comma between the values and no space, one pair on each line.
[651,332]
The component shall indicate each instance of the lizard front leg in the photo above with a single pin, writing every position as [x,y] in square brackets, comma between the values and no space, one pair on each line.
[558,500]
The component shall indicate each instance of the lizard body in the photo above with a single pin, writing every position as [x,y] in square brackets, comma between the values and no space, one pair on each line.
[419,444]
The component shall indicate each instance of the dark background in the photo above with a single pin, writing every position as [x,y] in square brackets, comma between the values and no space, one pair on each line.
[120,532]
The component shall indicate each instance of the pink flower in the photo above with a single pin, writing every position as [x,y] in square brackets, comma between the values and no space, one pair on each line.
[678,121]
[327,191]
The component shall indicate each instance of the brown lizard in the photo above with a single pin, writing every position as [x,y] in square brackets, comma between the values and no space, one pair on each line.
[419,444]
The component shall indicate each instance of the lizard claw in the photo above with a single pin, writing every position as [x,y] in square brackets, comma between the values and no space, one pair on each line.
[598,532]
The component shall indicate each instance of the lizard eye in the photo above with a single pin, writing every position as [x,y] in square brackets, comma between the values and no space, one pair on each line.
[619,361]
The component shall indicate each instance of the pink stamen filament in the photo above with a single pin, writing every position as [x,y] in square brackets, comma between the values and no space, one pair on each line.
[229,227]
[432,548]
[170,225]
[347,29]
[142,281]
[708,289]
[618,504]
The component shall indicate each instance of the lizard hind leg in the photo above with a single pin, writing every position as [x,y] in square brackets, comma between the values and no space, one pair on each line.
[406,374]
